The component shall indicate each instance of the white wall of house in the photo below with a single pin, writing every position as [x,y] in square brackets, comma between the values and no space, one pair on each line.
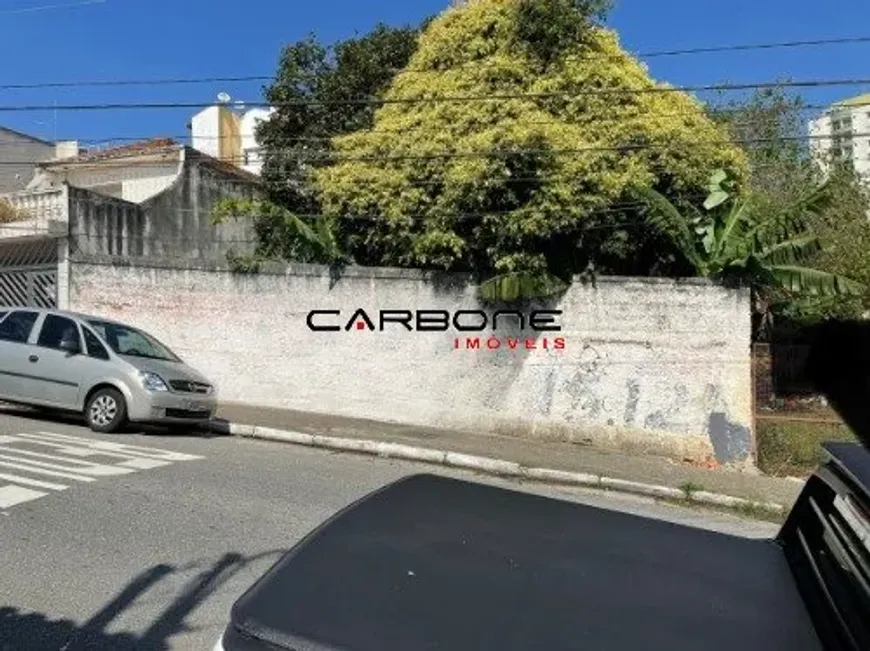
[136,182]
[152,182]
[19,155]
[205,130]
[233,140]
[251,154]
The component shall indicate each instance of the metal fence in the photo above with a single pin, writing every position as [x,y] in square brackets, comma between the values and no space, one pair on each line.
[779,371]
[28,273]
[788,368]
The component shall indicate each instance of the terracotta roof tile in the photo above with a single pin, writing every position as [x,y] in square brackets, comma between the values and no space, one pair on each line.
[156,146]
[153,146]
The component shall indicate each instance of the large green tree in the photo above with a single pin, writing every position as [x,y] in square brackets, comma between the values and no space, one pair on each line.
[843,231]
[770,126]
[316,91]
[530,167]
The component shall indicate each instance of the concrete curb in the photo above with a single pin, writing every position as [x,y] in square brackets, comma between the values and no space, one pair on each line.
[492,466]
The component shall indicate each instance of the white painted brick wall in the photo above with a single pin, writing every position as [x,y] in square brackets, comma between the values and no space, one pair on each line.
[653,364]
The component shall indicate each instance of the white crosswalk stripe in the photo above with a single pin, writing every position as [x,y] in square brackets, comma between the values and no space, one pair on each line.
[31,482]
[31,464]
[10,495]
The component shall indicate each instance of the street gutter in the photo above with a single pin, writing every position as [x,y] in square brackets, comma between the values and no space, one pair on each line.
[502,468]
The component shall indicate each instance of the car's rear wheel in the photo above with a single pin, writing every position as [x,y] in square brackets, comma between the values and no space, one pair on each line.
[106,411]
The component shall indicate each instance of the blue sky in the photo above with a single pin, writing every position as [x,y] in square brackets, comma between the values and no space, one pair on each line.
[136,39]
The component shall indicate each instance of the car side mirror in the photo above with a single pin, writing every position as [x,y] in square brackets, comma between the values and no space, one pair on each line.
[70,346]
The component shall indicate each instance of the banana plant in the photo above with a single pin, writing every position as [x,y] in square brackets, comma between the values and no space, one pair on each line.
[286,234]
[520,286]
[728,240]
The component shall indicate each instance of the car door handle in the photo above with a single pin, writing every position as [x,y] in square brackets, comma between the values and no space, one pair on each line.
[33,358]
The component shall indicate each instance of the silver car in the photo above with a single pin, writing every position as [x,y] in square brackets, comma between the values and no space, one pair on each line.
[111,372]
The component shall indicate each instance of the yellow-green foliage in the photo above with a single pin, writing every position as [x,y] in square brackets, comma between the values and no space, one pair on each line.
[394,174]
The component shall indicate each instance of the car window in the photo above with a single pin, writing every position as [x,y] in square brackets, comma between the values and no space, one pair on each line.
[125,340]
[95,349]
[17,326]
[56,329]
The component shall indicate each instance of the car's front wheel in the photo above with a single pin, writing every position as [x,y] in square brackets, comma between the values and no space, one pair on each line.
[106,411]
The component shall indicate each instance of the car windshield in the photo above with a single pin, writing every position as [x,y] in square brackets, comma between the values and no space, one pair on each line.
[125,340]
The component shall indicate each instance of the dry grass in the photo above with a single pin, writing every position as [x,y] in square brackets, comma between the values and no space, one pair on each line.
[11,213]
[792,447]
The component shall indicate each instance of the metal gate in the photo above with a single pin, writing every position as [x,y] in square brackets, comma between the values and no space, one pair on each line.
[28,274]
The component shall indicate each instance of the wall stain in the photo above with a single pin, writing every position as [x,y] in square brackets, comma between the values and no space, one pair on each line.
[546,402]
[585,401]
[656,420]
[731,441]
[508,365]
[668,418]
[711,397]
[631,402]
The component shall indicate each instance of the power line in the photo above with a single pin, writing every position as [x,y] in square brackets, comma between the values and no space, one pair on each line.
[677,115]
[494,97]
[847,40]
[743,47]
[450,155]
[547,178]
[617,208]
[67,5]
[109,140]
[587,149]
[625,208]
[137,82]
[271,78]
[130,159]
[133,158]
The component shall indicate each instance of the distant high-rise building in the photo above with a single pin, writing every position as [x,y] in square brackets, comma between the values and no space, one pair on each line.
[842,132]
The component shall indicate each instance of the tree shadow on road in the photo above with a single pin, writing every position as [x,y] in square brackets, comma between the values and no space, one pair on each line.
[21,631]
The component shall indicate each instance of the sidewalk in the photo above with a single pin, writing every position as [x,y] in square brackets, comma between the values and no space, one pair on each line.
[568,457]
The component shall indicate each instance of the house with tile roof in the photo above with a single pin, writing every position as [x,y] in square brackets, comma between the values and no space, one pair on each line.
[19,155]
[153,199]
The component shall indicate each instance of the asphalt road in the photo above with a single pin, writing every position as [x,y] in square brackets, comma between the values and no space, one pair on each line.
[148,549]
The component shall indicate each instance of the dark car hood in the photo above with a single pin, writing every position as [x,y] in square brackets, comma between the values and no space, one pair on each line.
[436,563]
